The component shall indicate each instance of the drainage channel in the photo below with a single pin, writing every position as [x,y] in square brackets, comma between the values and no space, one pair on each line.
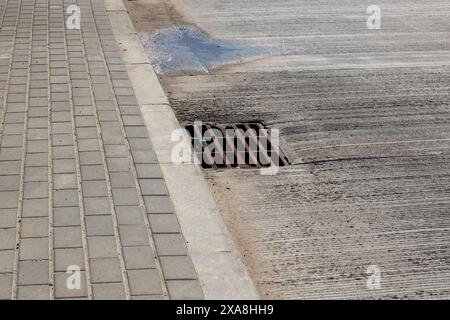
[240,145]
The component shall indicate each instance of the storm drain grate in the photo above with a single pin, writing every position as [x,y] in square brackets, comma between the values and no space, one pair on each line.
[241,145]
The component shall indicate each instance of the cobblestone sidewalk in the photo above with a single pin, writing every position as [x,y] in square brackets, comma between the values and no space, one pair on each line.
[80,187]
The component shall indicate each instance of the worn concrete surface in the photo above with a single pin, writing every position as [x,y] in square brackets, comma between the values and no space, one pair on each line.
[364,118]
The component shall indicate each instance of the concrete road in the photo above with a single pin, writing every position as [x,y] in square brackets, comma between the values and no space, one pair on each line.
[364,119]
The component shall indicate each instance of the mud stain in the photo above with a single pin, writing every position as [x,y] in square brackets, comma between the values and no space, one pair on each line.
[187,48]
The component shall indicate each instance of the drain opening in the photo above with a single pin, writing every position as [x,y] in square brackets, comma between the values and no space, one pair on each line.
[241,145]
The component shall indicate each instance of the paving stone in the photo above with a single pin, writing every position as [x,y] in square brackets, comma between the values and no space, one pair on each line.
[116,151]
[122,180]
[129,215]
[118,164]
[65,198]
[63,258]
[139,257]
[125,196]
[8,199]
[102,247]
[62,290]
[65,217]
[5,285]
[93,172]
[34,227]
[108,291]
[164,223]
[36,174]
[144,282]
[10,183]
[8,218]
[133,235]
[37,159]
[65,181]
[97,206]
[105,270]
[64,166]
[94,189]
[35,208]
[90,157]
[39,292]
[67,237]
[149,171]
[99,225]
[170,244]
[63,152]
[35,190]
[34,249]
[33,272]
[6,261]
[159,204]
[184,290]
[178,268]
[153,186]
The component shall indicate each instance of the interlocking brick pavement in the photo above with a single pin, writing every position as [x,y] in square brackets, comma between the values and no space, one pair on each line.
[79,182]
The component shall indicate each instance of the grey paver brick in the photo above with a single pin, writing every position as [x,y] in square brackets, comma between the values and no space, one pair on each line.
[159,204]
[133,235]
[184,290]
[65,181]
[144,282]
[170,244]
[105,270]
[108,291]
[102,247]
[33,249]
[129,215]
[118,164]
[8,199]
[125,196]
[97,206]
[5,285]
[94,188]
[34,227]
[65,198]
[99,225]
[35,190]
[65,217]
[9,183]
[90,157]
[39,292]
[164,223]
[122,180]
[37,159]
[93,172]
[6,261]
[178,268]
[63,152]
[33,272]
[67,237]
[63,258]
[61,290]
[36,174]
[153,186]
[8,218]
[35,208]
[139,257]
[149,171]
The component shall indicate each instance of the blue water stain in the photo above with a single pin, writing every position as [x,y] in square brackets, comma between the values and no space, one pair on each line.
[186,48]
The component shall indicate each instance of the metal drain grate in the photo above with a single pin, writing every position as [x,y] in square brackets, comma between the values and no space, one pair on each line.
[242,145]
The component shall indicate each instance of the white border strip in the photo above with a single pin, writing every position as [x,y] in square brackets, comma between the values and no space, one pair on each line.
[219,267]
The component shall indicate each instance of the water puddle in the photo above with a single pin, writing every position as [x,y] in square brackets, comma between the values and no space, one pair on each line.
[186,48]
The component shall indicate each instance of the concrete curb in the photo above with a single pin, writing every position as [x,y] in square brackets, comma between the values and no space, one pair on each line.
[219,268]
